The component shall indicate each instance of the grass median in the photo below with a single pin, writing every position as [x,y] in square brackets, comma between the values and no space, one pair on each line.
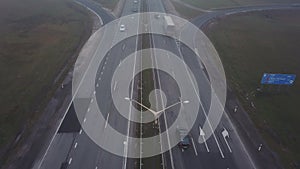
[251,44]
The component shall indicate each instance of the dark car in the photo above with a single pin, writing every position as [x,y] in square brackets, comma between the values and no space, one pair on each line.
[184,142]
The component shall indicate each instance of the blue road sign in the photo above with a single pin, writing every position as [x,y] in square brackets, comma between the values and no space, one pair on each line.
[278,79]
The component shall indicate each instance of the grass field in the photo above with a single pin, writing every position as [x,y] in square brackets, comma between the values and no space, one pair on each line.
[254,43]
[186,12]
[37,40]
[208,4]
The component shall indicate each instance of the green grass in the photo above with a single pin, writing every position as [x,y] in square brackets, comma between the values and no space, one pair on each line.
[110,4]
[254,43]
[186,12]
[37,40]
[208,4]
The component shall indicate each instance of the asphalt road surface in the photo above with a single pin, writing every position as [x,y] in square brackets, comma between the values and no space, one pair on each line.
[72,148]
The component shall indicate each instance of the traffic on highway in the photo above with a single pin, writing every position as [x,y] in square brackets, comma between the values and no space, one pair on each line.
[150,88]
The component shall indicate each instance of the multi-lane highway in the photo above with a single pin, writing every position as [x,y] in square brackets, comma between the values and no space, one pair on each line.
[72,148]
[216,152]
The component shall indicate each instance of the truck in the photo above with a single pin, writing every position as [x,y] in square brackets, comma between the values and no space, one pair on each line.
[169,25]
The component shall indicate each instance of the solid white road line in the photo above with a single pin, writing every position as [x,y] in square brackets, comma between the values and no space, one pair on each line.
[202,134]
[130,105]
[76,91]
[106,120]
[227,145]
[202,107]
[161,97]
[225,135]
[194,146]
[235,131]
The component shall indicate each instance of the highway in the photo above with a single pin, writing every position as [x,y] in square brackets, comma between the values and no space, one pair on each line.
[215,153]
[72,148]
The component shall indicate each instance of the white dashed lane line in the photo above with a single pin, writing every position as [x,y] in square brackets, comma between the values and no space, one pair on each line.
[106,120]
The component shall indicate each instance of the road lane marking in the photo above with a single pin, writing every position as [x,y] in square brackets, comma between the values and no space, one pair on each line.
[75,146]
[76,91]
[194,146]
[106,120]
[202,107]
[92,100]
[202,134]
[130,106]
[80,131]
[97,85]
[159,85]
[225,135]
[88,110]
[70,161]
[84,120]
[123,47]
[115,85]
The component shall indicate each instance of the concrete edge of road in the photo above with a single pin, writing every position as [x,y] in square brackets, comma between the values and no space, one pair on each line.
[41,156]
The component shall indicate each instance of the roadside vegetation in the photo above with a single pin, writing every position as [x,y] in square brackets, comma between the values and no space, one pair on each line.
[186,12]
[253,43]
[38,39]
[210,4]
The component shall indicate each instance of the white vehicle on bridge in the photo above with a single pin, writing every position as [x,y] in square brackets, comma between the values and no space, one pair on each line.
[169,25]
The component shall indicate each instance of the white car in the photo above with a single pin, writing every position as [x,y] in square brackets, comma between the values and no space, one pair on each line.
[122,28]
